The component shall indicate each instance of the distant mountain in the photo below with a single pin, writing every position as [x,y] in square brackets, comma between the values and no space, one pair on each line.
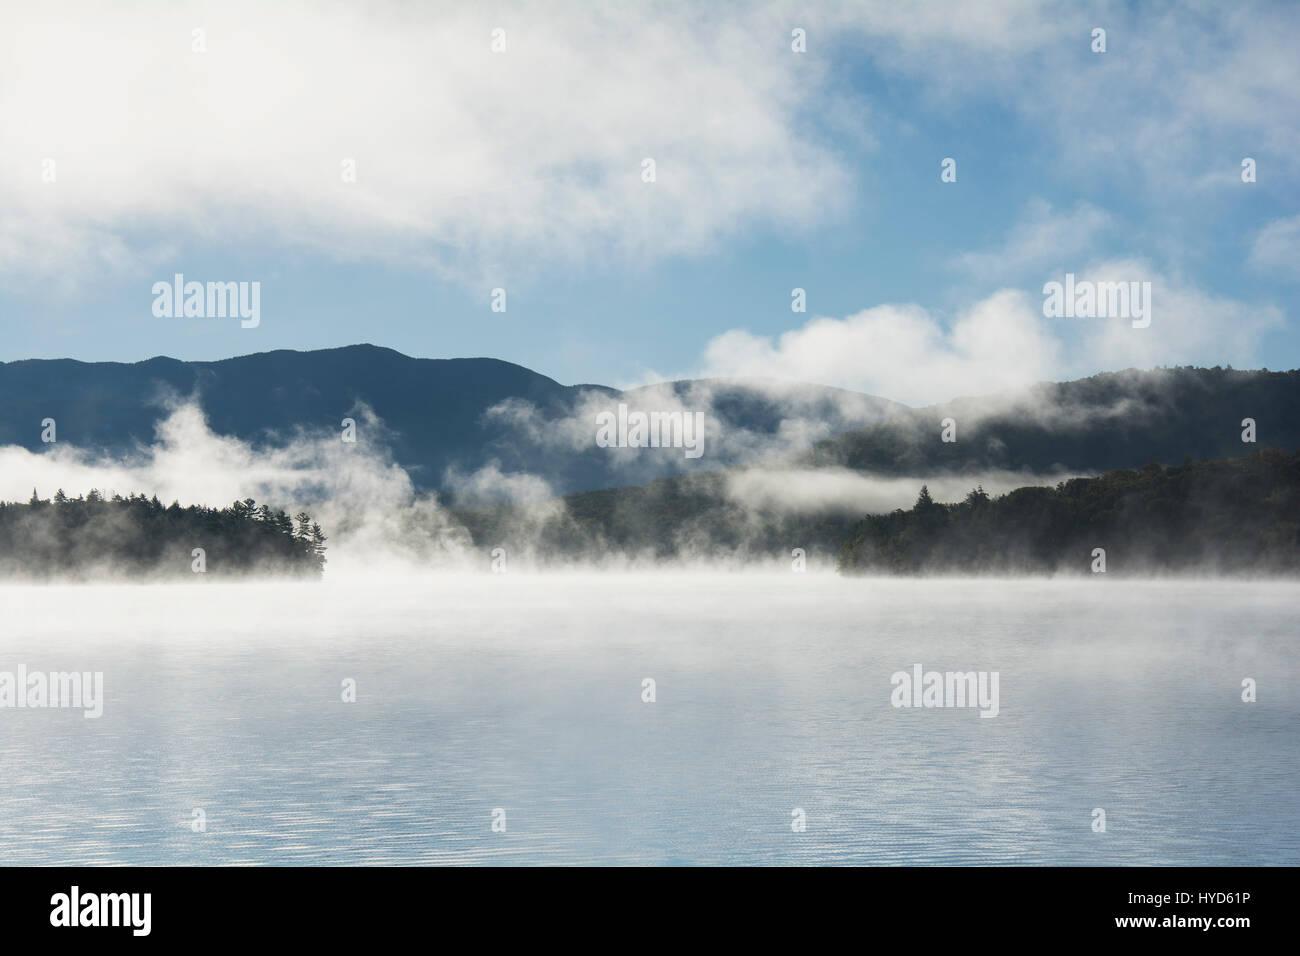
[1120,420]
[436,414]
[784,466]
[1112,420]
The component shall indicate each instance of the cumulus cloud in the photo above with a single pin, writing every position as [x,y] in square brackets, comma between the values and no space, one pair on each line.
[903,351]
[1189,326]
[462,155]
[1002,342]
[466,158]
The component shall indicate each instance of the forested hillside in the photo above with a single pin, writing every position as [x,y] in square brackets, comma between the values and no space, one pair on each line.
[1115,420]
[1111,420]
[1234,516]
[138,537]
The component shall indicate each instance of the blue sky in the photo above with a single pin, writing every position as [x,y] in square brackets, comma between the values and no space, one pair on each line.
[217,155]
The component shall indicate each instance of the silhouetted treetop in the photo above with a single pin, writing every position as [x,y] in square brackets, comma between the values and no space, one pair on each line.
[138,537]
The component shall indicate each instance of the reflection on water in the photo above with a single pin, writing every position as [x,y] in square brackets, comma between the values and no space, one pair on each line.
[772,693]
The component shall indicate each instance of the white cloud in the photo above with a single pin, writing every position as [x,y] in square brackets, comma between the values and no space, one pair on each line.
[1276,249]
[463,155]
[468,159]
[1001,343]
[1178,98]
[1189,326]
[902,352]
[1042,238]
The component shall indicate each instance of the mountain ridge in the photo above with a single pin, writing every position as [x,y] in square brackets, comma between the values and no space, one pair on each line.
[437,413]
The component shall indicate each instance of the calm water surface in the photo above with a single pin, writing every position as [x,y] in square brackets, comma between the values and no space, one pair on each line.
[772,693]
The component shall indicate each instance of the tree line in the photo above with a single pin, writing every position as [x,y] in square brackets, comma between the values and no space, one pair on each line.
[135,536]
[1219,516]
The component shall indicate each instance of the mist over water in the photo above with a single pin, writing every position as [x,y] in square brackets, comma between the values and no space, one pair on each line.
[524,692]
[374,515]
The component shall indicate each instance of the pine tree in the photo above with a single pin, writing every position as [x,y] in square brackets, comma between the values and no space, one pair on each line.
[318,545]
[145,537]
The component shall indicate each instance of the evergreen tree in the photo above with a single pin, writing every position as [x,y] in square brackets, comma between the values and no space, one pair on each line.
[137,536]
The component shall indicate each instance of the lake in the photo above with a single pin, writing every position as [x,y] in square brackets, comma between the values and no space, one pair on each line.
[521,693]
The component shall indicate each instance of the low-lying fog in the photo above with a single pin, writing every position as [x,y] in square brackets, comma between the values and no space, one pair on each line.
[373,515]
